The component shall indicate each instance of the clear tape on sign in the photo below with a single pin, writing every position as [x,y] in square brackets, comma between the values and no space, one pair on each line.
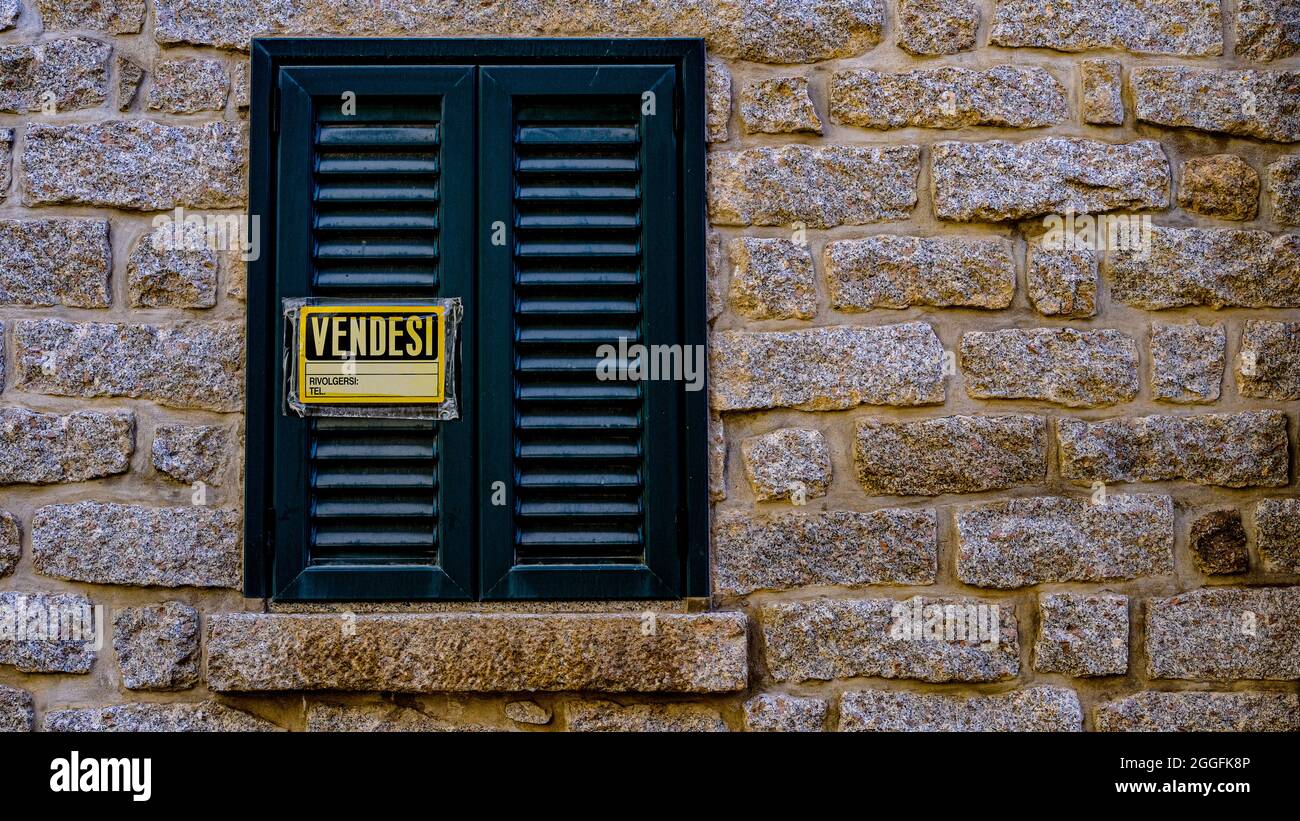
[375,358]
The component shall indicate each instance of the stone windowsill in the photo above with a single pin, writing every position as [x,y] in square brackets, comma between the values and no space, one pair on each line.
[478,652]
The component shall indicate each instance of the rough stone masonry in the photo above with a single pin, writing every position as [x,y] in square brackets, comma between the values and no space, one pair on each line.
[922,401]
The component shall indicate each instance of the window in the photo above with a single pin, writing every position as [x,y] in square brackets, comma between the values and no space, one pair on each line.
[556,187]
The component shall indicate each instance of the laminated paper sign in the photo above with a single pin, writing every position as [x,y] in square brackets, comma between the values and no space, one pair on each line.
[373,355]
[372,358]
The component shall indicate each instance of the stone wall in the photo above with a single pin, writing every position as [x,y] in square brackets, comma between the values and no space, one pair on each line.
[921,406]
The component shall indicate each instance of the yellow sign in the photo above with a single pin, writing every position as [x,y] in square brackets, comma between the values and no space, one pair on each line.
[371,354]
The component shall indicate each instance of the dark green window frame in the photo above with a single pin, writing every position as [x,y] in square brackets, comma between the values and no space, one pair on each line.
[484,551]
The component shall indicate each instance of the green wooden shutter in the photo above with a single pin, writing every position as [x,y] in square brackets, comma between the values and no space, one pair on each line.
[584,182]
[601,208]
[374,204]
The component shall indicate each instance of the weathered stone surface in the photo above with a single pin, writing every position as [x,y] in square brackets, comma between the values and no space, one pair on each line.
[6,161]
[1062,282]
[108,16]
[1102,102]
[1228,449]
[1038,709]
[779,713]
[129,76]
[787,462]
[1220,185]
[157,646]
[171,717]
[1225,633]
[17,710]
[772,279]
[757,551]
[236,269]
[1277,534]
[27,643]
[1075,368]
[1047,539]
[55,262]
[191,546]
[1267,29]
[717,458]
[1248,103]
[950,454]
[1268,365]
[1082,635]
[713,301]
[481,652]
[528,712]
[778,106]
[888,271]
[937,26]
[173,266]
[9,11]
[44,448]
[373,718]
[1191,28]
[826,368]
[189,365]
[998,180]
[925,639]
[191,453]
[134,164]
[63,75]
[717,92]
[820,186]
[10,543]
[1219,267]
[189,85]
[1187,361]
[1218,543]
[241,89]
[608,717]
[1284,189]
[1007,96]
[1200,713]
[780,31]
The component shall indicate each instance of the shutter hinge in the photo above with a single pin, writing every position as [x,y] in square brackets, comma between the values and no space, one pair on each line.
[269,525]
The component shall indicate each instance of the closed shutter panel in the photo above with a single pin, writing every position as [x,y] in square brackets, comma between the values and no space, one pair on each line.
[375,176]
[579,166]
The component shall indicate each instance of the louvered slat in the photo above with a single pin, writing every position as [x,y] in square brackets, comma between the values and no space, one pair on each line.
[373,487]
[578,441]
